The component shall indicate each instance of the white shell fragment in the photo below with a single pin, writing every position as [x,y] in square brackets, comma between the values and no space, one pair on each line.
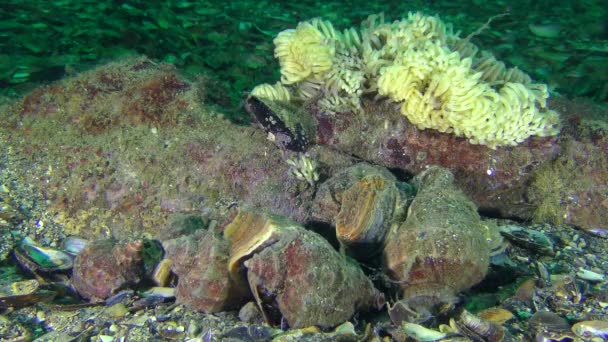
[590,275]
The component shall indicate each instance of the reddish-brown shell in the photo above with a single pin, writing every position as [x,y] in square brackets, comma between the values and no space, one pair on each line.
[201,263]
[105,266]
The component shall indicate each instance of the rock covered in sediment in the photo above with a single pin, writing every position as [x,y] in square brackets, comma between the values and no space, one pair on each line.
[106,266]
[441,248]
[295,274]
[200,261]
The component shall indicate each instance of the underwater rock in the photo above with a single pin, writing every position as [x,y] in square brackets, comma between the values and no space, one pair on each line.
[106,266]
[573,188]
[200,261]
[441,248]
[495,179]
[295,274]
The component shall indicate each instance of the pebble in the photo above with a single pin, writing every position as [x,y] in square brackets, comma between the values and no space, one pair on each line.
[117,310]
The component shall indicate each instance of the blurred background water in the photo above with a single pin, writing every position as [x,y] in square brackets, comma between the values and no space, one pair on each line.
[229,44]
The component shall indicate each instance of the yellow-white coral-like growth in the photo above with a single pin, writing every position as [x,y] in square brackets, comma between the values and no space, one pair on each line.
[440,90]
[420,63]
[272,92]
[304,52]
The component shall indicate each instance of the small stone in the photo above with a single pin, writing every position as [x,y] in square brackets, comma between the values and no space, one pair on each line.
[496,315]
[117,310]
[105,338]
[193,328]
[250,313]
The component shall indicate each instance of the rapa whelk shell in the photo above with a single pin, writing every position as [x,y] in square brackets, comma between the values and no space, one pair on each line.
[296,275]
[200,261]
[362,202]
[441,248]
[368,209]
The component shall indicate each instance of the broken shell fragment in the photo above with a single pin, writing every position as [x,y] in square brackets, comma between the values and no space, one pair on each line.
[590,329]
[162,273]
[421,333]
[23,293]
[73,245]
[496,315]
[590,275]
[441,248]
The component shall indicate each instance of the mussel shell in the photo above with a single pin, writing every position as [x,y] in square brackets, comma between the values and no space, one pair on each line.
[290,127]
[23,293]
[528,238]
[477,328]
[589,329]
[547,323]
[36,258]
[73,245]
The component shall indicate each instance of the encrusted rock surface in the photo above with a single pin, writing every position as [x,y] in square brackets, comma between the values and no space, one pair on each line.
[495,179]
